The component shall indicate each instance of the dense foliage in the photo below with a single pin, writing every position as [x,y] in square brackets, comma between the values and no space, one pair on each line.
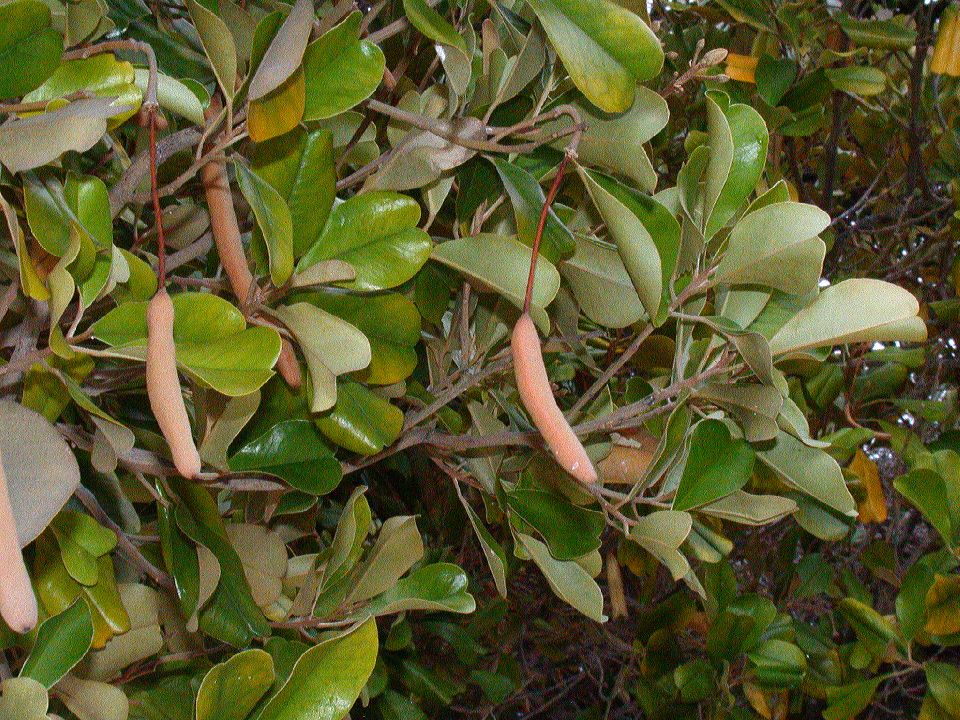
[287,245]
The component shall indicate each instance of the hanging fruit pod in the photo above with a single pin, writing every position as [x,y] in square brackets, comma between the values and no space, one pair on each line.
[742,68]
[946,48]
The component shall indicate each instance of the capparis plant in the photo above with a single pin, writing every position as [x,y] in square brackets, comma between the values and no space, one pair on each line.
[328,329]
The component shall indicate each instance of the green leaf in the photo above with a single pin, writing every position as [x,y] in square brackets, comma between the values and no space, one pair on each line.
[695,680]
[173,95]
[332,346]
[751,12]
[809,470]
[738,152]
[845,702]
[527,198]
[605,48]
[661,533]
[218,45]
[294,451]
[23,699]
[503,264]
[774,77]
[398,547]
[30,49]
[944,682]
[82,542]
[932,495]
[432,24]
[213,343]
[601,284]
[375,232]
[857,79]
[717,465]
[878,34]
[361,421]
[616,143]
[778,663]
[273,219]
[61,643]
[569,530]
[911,604]
[647,237]
[40,139]
[327,679]
[93,699]
[871,628]
[341,71]
[299,166]
[102,76]
[568,580]
[392,343]
[231,689]
[440,586]
[232,616]
[776,246]
[747,509]
[752,406]
[884,312]
[492,550]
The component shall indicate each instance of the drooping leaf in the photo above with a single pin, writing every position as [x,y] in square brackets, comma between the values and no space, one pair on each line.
[809,470]
[332,347]
[601,284]
[218,44]
[570,582]
[40,139]
[285,52]
[392,345]
[661,534]
[647,237]
[570,531]
[300,167]
[231,615]
[34,456]
[738,151]
[273,219]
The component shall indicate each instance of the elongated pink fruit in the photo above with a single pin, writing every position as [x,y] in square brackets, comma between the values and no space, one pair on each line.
[163,386]
[537,398]
[18,604]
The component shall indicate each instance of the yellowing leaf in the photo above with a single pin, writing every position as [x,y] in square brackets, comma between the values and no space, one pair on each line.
[943,605]
[874,507]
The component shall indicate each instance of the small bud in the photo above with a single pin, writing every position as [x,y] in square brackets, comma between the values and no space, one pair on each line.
[714,57]
[721,78]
